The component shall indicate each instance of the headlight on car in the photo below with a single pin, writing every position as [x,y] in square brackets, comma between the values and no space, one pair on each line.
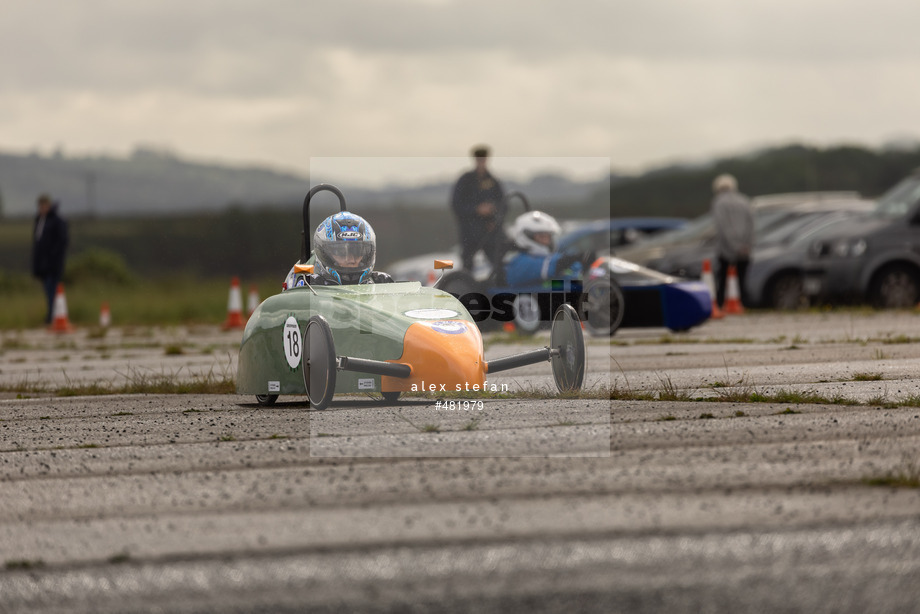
[839,248]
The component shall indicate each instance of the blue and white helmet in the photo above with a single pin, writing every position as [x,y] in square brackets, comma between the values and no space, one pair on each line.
[346,248]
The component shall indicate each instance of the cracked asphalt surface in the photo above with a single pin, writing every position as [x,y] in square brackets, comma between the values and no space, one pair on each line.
[210,503]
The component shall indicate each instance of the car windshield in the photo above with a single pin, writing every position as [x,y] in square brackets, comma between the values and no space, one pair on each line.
[900,199]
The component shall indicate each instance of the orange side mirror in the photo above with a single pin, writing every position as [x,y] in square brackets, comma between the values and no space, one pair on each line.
[443,264]
[303,268]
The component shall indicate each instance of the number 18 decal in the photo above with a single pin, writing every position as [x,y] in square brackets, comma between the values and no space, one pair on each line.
[292,342]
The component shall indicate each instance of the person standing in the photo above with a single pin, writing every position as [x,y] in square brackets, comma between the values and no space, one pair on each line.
[49,247]
[734,221]
[478,204]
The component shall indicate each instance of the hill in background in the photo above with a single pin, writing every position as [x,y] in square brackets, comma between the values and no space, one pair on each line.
[153,182]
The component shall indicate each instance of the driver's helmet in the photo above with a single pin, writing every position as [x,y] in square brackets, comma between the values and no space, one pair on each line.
[536,232]
[345,247]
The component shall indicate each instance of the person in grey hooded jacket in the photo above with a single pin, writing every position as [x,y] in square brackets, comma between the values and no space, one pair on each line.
[734,220]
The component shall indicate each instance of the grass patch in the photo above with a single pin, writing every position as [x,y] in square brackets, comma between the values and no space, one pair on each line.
[867,377]
[425,428]
[670,392]
[899,339]
[472,425]
[135,382]
[906,476]
[882,401]
[24,564]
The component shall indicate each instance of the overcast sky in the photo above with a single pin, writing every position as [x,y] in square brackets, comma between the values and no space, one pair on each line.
[276,82]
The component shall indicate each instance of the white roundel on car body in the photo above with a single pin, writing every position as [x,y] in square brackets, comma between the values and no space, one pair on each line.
[432,314]
[292,342]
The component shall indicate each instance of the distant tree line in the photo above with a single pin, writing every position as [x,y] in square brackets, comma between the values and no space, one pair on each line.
[686,191]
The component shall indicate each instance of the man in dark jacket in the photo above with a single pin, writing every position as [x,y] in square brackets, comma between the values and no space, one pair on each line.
[49,247]
[478,204]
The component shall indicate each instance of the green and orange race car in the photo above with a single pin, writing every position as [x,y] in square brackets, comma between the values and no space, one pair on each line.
[389,338]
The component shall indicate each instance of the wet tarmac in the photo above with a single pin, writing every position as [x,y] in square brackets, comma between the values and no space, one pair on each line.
[764,462]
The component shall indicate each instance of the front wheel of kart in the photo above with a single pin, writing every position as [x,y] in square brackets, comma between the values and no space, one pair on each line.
[602,306]
[569,362]
[266,399]
[319,363]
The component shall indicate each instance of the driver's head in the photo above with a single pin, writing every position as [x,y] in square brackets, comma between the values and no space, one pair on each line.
[346,248]
[536,232]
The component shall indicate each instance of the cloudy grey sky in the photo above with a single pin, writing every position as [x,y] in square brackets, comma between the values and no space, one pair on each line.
[276,82]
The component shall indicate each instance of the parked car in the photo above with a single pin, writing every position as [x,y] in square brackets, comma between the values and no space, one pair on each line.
[875,258]
[681,252]
[775,276]
[598,236]
[606,234]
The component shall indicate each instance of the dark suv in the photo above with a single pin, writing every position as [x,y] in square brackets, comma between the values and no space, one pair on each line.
[873,258]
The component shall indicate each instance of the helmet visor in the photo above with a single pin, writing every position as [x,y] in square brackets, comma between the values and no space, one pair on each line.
[347,256]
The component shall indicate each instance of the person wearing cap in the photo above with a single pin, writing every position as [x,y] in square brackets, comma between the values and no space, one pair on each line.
[734,221]
[49,247]
[477,202]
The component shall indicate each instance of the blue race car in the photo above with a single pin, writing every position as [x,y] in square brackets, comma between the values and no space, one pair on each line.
[606,292]
[614,293]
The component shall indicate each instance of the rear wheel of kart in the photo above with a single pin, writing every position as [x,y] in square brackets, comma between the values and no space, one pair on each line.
[602,305]
[896,287]
[390,398]
[566,337]
[319,362]
[526,313]
[787,292]
[266,399]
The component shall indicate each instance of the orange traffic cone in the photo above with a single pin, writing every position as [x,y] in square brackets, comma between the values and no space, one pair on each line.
[711,285]
[509,327]
[105,316]
[733,293]
[60,322]
[234,306]
[252,300]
